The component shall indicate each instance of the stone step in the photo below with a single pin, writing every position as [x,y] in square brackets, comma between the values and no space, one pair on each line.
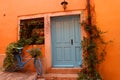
[64,70]
[51,76]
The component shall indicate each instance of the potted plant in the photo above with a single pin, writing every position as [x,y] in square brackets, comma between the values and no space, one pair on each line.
[35,52]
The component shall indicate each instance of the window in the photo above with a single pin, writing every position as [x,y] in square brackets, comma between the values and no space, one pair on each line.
[32,30]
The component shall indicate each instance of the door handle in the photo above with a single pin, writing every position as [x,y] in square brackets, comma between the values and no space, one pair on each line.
[71,41]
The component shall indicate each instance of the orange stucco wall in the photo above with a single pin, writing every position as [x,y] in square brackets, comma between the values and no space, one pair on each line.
[107,17]
[11,10]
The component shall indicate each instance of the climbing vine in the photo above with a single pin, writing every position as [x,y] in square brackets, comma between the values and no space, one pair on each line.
[94,47]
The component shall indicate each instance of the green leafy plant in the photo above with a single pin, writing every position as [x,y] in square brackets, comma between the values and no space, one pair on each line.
[9,59]
[93,53]
[21,43]
[40,40]
[35,52]
[33,31]
[26,38]
[94,48]
[9,62]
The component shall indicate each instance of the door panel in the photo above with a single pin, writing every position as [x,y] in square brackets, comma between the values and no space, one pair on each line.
[67,54]
[66,51]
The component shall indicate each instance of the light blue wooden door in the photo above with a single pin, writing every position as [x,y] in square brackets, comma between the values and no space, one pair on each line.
[66,47]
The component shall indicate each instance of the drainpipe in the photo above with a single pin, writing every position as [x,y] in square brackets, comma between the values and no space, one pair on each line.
[89,12]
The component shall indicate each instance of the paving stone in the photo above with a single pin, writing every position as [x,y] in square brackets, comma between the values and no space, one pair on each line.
[32,76]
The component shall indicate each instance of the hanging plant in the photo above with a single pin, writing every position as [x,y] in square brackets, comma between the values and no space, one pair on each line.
[35,52]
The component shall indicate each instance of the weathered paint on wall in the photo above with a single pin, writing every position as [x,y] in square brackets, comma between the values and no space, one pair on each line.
[107,16]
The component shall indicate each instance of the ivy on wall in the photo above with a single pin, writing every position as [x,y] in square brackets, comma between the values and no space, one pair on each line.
[93,53]
[94,47]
